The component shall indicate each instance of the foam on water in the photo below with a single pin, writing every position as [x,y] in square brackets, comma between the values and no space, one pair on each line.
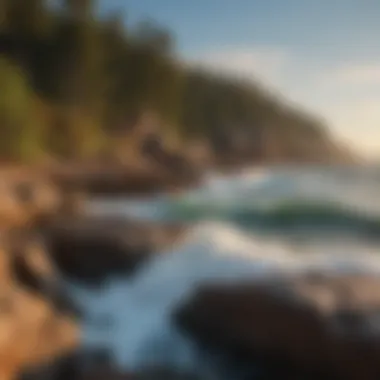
[351,190]
[132,317]
[354,187]
[143,209]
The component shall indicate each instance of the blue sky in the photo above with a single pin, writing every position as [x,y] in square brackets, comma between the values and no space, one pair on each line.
[322,54]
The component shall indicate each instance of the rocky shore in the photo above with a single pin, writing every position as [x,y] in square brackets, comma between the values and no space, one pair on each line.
[308,326]
[305,327]
[46,240]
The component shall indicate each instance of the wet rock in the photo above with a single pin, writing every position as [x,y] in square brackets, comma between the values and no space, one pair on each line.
[38,284]
[74,365]
[177,164]
[94,366]
[90,249]
[305,326]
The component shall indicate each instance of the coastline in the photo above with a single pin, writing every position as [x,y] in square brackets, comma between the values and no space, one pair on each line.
[94,248]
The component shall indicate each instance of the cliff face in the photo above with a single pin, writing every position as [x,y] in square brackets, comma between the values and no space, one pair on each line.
[272,146]
[244,123]
[225,142]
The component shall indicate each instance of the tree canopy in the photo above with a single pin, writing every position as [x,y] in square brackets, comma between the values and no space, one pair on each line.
[70,80]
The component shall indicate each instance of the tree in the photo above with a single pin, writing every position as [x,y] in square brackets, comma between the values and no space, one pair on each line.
[19,131]
[4,15]
[92,75]
[155,37]
[29,19]
[81,10]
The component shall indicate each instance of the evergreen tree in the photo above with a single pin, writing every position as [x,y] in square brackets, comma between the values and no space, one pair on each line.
[94,75]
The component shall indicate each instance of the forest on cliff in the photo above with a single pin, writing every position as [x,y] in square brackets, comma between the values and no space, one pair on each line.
[74,82]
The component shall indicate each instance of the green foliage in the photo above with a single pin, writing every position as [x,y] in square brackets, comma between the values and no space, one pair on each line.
[19,130]
[95,76]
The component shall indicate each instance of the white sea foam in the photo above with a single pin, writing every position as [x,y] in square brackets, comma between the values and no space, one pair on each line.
[353,188]
[132,317]
[349,187]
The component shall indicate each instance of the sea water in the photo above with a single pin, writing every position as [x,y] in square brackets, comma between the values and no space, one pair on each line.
[257,224]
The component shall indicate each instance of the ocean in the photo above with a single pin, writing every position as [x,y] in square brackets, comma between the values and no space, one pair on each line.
[254,224]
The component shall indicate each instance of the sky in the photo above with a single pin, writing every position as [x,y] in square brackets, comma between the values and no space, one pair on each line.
[322,54]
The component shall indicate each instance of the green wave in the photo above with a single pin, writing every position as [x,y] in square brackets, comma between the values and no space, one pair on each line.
[287,215]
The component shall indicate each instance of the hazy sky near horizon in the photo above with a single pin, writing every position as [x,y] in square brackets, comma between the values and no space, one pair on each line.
[322,54]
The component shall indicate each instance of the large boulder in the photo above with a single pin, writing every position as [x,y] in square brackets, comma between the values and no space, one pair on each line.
[74,365]
[317,326]
[33,271]
[30,327]
[86,249]
[92,249]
